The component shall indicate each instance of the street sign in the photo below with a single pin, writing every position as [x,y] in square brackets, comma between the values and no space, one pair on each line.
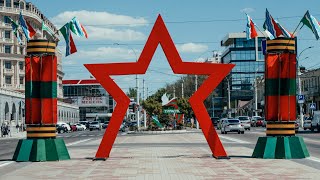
[312,106]
[301,99]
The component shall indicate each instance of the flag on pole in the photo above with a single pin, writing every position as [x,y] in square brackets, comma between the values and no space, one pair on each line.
[155,119]
[274,28]
[251,30]
[15,27]
[77,28]
[44,27]
[70,46]
[28,30]
[312,23]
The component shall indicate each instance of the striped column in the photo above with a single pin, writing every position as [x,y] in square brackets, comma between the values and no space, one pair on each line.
[280,87]
[41,89]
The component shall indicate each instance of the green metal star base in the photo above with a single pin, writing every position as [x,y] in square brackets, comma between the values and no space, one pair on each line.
[281,147]
[36,150]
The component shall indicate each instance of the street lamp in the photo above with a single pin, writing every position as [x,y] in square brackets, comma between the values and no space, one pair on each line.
[137,84]
[299,81]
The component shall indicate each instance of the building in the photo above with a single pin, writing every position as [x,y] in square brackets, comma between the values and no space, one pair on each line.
[12,72]
[310,88]
[93,100]
[249,61]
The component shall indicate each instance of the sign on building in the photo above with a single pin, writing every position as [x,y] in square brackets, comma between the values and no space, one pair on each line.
[301,99]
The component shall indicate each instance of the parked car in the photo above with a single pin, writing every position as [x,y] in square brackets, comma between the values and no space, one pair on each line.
[61,129]
[95,125]
[254,120]
[260,122]
[105,125]
[315,122]
[307,124]
[214,121]
[245,121]
[73,127]
[296,126]
[64,124]
[80,127]
[232,125]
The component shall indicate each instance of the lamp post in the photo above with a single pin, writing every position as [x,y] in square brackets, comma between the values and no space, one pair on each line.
[229,104]
[299,82]
[137,85]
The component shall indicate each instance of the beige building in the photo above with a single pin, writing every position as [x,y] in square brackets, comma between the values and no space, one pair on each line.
[12,71]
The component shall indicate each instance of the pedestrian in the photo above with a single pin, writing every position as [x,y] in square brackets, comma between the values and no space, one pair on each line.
[17,127]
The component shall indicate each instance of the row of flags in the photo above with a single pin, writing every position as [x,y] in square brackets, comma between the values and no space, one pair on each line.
[274,29]
[73,26]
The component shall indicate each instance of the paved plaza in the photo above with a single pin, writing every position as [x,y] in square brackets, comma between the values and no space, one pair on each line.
[162,156]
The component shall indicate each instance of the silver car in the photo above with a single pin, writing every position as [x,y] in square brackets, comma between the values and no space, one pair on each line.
[245,121]
[232,125]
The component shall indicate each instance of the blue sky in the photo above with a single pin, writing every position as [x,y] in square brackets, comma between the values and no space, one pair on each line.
[196,27]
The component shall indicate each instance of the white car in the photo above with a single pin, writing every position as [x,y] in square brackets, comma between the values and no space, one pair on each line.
[315,122]
[232,125]
[80,127]
[65,125]
[245,121]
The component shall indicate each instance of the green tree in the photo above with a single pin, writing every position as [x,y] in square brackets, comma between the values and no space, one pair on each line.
[132,93]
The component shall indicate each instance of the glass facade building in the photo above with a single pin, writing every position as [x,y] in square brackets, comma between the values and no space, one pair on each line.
[93,100]
[249,61]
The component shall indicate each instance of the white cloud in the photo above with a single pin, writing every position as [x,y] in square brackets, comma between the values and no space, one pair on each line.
[192,48]
[247,10]
[98,18]
[97,33]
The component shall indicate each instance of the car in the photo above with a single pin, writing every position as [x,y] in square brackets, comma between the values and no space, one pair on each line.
[80,127]
[214,121]
[61,129]
[315,122]
[245,121]
[133,126]
[296,126]
[95,125]
[307,124]
[73,127]
[64,124]
[232,125]
[254,120]
[105,125]
[260,122]
[220,122]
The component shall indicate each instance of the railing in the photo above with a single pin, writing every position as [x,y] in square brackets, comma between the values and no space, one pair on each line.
[8,70]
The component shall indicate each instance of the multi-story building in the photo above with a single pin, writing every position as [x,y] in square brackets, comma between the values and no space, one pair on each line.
[93,100]
[310,87]
[249,61]
[12,71]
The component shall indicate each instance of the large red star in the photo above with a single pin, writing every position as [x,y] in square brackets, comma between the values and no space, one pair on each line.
[160,35]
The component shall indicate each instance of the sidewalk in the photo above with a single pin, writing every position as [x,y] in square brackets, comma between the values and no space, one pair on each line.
[164,156]
[14,134]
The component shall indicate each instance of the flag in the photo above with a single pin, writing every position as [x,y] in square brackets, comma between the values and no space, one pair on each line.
[44,27]
[70,46]
[28,30]
[312,23]
[251,30]
[155,119]
[15,27]
[77,28]
[274,28]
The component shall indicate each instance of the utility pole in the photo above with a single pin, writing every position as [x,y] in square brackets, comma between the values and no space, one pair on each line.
[229,104]
[144,111]
[256,97]
[182,93]
[137,115]
[143,93]
[174,92]
[196,88]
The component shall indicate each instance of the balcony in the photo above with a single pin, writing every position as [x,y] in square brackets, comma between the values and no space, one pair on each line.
[8,71]
[21,72]
[9,86]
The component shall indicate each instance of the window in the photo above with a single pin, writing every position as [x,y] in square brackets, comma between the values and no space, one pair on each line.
[1,2]
[7,49]
[7,34]
[8,79]
[21,79]
[8,3]
[21,50]
[7,64]
[6,20]
[21,65]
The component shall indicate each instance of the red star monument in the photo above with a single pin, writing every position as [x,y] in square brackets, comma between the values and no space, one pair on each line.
[160,35]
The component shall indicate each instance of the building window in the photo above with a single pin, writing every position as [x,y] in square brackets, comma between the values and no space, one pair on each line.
[7,49]
[2,3]
[8,79]
[21,65]
[7,64]
[8,3]
[6,20]
[21,80]
[7,34]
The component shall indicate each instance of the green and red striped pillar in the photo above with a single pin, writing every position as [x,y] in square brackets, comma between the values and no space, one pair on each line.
[280,141]
[41,106]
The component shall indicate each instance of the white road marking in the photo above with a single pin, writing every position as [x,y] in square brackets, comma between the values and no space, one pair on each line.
[313,159]
[91,135]
[123,133]
[78,142]
[83,135]
[6,163]
[234,140]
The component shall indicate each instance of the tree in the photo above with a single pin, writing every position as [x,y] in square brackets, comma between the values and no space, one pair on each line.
[132,93]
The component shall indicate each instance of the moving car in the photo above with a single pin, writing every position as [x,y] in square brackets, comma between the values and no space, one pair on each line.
[315,122]
[296,126]
[214,120]
[232,125]
[220,122]
[254,120]
[95,125]
[307,124]
[105,125]
[260,122]
[73,127]
[80,127]
[245,121]
[65,125]
[61,129]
